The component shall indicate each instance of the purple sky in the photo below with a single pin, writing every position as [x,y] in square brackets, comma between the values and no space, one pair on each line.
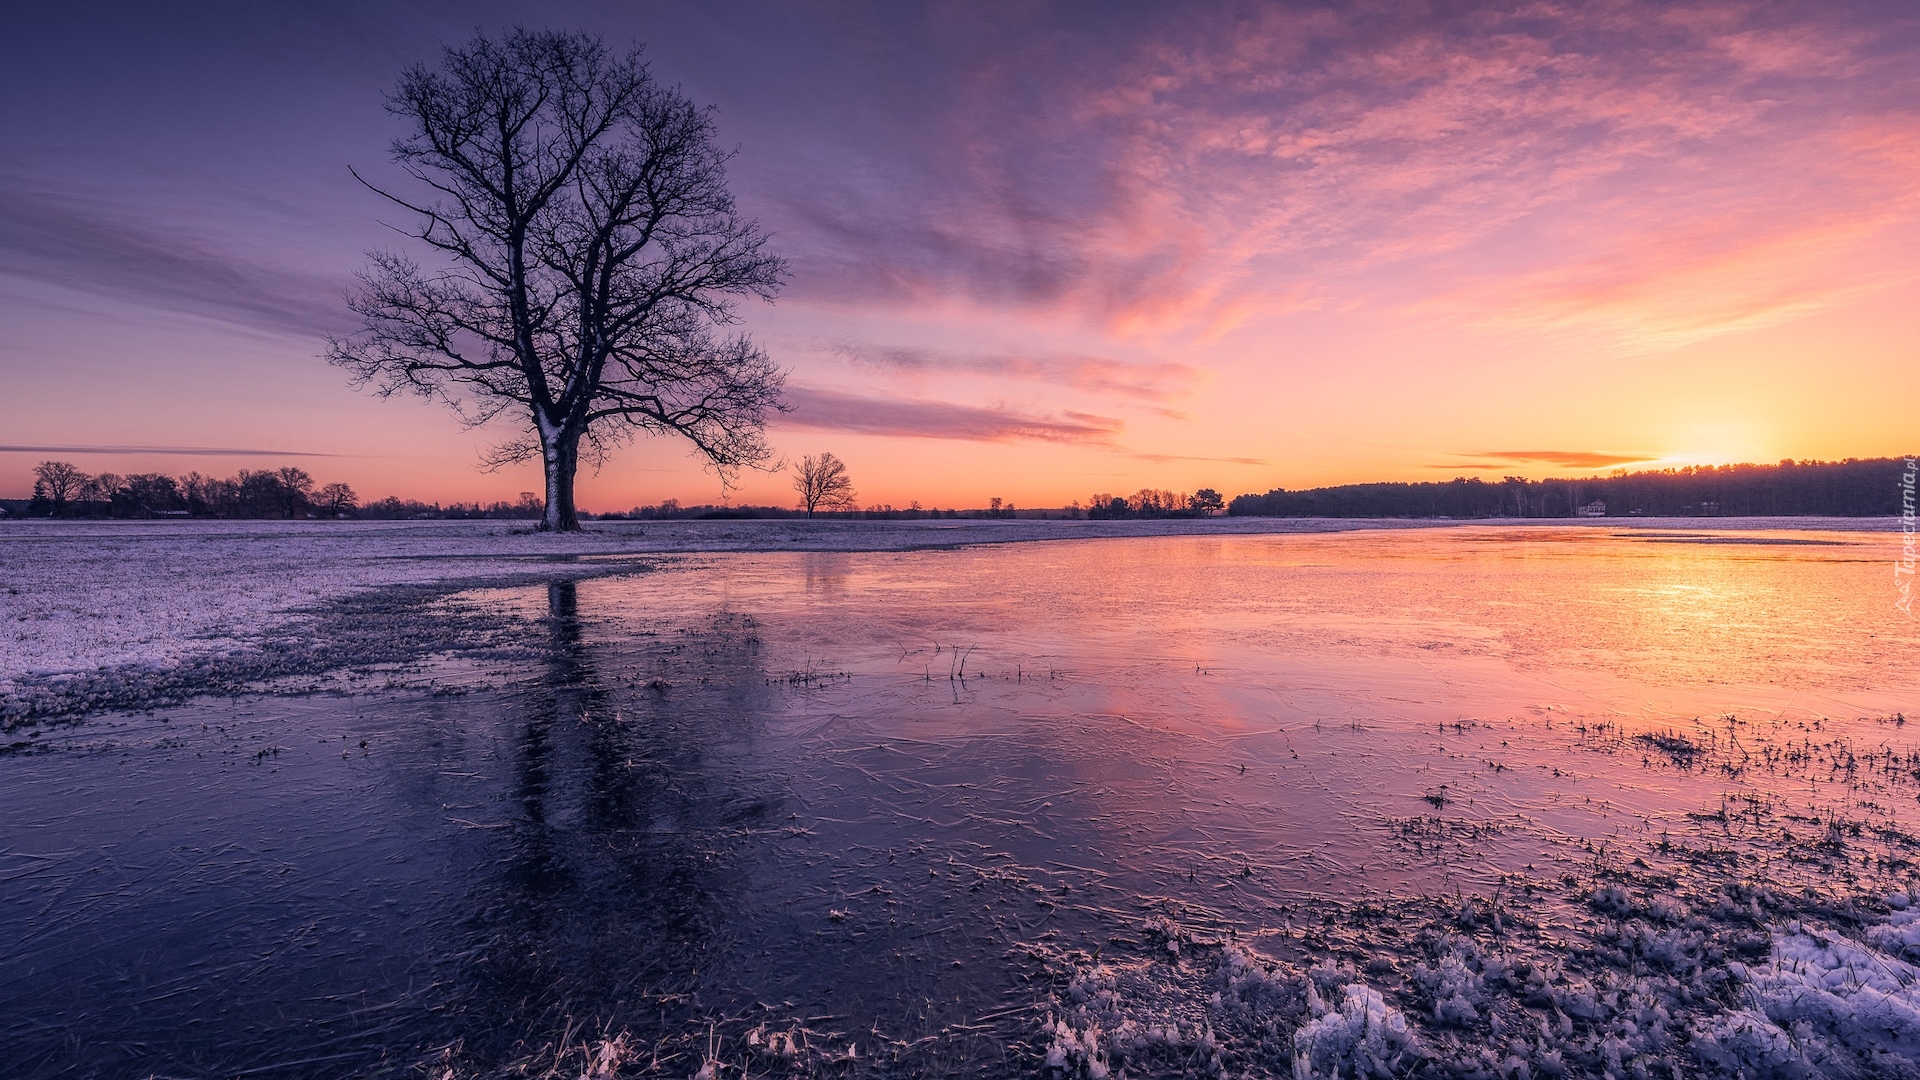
[1039,250]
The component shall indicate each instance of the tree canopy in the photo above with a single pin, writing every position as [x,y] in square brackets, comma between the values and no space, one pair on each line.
[587,261]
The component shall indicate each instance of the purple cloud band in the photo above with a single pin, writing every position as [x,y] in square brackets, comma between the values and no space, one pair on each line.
[183,451]
[51,239]
[1151,381]
[832,411]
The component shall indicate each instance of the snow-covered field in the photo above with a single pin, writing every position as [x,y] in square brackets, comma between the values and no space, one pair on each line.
[76,596]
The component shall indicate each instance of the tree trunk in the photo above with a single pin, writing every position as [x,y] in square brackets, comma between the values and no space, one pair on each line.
[560,453]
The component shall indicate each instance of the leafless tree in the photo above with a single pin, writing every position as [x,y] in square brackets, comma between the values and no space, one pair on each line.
[822,483]
[336,499]
[591,258]
[62,482]
[296,490]
[101,489]
[149,493]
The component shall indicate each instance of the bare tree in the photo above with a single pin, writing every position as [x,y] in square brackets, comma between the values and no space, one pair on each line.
[101,490]
[296,490]
[822,483]
[336,499]
[193,488]
[150,493]
[592,257]
[63,482]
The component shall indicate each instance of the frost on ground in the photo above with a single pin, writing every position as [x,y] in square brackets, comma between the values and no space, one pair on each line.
[1654,988]
[367,632]
[133,615]
[1747,983]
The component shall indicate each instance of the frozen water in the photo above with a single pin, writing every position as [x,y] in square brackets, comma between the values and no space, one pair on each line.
[1510,802]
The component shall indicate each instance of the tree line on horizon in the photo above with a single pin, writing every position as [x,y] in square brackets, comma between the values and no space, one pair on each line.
[1855,487]
[60,489]
[1851,488]
[1152,503]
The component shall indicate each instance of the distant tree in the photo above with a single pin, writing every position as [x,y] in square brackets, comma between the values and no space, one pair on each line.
[224,497]
[823,483]
[296,490]
[145,494]
[389,507]
[257,493]
[336,499]
[593,253]
[194,490]
[1207,501]
[100,491]
[1518,485]
[61,481]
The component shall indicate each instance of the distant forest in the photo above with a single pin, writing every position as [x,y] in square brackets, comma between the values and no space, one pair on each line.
[62,490]
[1850,488]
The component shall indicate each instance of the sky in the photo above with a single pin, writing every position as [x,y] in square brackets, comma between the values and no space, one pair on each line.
[1038,251]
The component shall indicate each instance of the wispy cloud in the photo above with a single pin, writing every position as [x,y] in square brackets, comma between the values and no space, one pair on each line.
[834,411]
[1149,381]
[1567,459]
[52,239]
[1162,458]
[1193,172]
[162,451]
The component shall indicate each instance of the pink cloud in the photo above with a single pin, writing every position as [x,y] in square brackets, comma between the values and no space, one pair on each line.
[1259,161]
[1156,381]
[834,411]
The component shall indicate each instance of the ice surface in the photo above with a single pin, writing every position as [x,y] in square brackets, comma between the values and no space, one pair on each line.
[1272,806]
[80,595]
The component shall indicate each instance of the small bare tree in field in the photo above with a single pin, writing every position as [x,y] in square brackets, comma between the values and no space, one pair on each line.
[822,483]
[61,481]
[590,256]
[336,499]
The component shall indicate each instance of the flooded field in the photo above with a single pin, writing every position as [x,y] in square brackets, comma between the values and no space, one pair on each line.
[1514,802]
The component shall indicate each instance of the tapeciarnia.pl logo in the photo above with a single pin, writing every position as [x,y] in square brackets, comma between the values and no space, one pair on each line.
[1903,570]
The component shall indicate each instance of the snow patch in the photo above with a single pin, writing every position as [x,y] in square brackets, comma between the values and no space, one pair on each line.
[1823,1005]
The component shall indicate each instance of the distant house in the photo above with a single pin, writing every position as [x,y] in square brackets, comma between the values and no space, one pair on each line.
[1596,508]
